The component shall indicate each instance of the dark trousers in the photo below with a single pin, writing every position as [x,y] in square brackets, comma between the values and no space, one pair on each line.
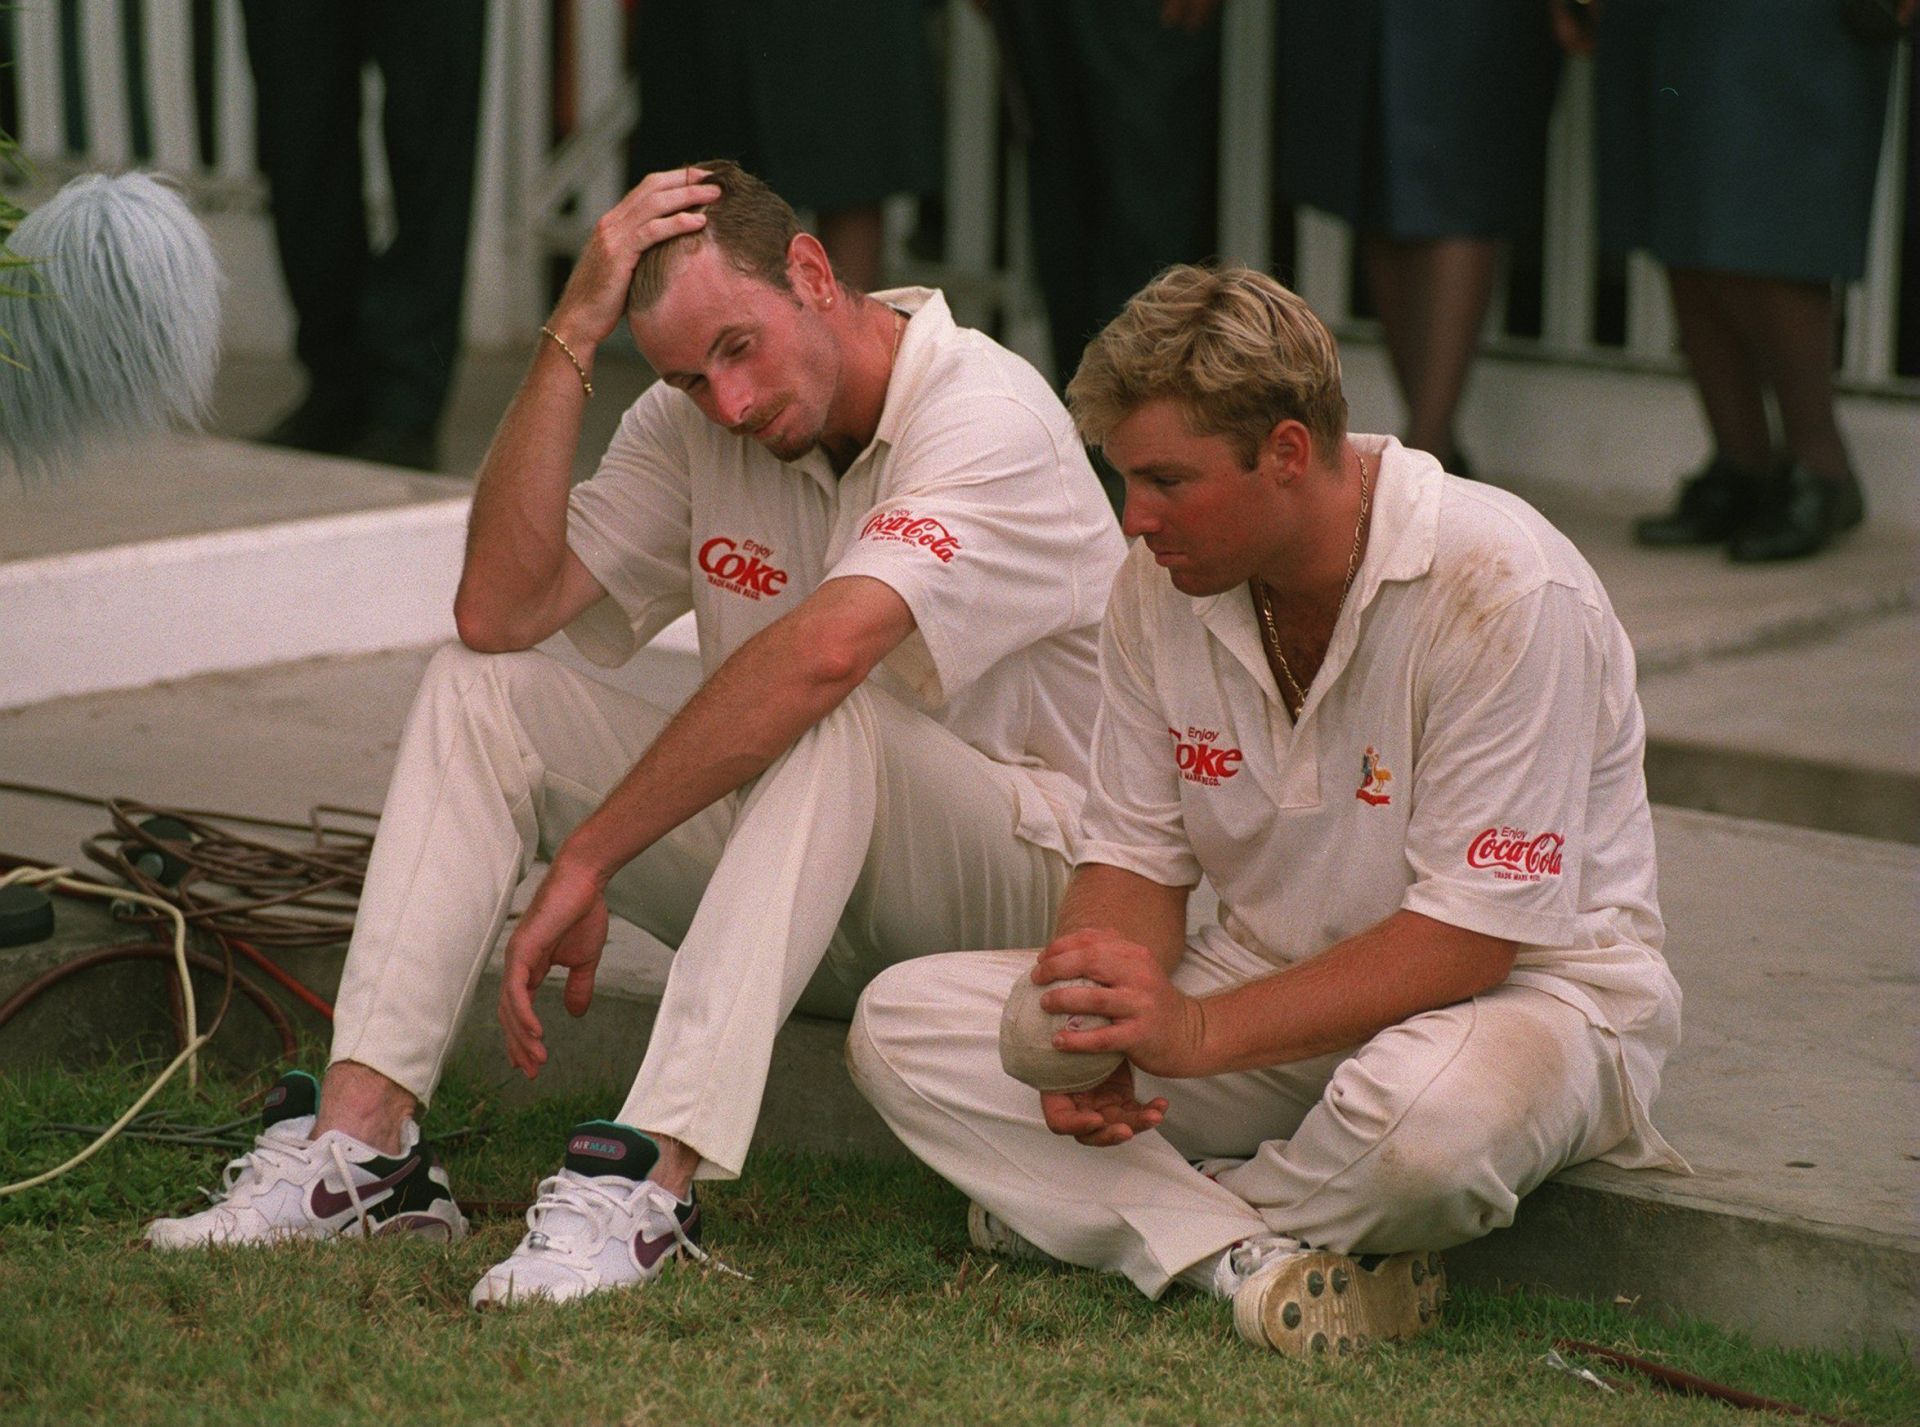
[1123,120]
[377,332]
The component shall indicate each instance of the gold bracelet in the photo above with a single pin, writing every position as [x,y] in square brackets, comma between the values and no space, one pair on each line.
[587,385]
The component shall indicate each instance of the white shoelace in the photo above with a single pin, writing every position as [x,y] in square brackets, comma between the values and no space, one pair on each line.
[1246,1258]
[269,1160]
[591,1200]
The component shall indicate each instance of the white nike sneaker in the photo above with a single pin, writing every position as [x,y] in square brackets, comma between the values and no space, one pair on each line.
[292,1186]
[598,1223]
[1304,1301]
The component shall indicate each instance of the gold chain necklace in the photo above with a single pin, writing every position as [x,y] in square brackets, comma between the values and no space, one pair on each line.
[1264,600]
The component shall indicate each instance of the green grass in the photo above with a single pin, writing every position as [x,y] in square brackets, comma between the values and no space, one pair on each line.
[867,1305]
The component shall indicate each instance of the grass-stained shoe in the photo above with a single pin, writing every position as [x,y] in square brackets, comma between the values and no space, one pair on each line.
[598,1223]
[991,1234]
[293,1186]
[1308,1301]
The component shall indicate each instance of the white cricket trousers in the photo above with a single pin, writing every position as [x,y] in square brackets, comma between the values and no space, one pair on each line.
[1423,1138]
[877,836]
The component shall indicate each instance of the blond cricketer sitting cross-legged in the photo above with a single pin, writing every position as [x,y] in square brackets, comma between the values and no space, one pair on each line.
[1389,714]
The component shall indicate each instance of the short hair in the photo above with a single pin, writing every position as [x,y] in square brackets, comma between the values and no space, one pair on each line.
[1237,350]
[749,223]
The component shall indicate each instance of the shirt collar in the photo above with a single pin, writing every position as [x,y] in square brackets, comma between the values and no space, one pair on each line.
[1406,515]
[929,322]
[1400,546]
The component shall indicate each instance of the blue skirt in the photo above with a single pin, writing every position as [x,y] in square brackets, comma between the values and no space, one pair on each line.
[1739,135]
[1416,120]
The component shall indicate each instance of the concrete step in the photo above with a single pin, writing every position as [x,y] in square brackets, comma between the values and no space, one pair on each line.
[1779,692]
[1820,733]
[188,554]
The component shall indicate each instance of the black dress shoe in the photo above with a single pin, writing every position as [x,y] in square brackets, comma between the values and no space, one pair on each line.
[1799,515]
[1712,504]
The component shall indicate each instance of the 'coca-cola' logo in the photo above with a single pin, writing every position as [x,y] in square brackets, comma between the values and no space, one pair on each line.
[1515,856]
[911,529]
[1199,761]
[741,566]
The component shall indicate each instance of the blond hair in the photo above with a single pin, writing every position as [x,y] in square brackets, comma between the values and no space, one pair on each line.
[749,223]
[1238,351]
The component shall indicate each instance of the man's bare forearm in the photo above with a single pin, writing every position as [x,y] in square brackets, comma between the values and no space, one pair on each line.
[1103,898]
[1349,993]
[773,688]
[517,532]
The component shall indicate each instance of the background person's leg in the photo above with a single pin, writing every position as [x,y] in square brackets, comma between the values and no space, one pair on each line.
[430,54]
[306,62]
[1722,367]
[1432,295]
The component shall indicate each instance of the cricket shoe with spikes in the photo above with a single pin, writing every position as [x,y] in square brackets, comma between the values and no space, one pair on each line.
[291,1185]
[599,1223]
[1304,1302]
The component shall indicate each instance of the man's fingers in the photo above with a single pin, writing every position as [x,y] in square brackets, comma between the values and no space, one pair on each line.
[1062,961]
[1120,1036]
[656,231]
[1105,1001]
[579,993]
[1065,1117]
[662,199]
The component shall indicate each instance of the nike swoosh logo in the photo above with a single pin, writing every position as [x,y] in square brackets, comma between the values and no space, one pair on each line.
[648,1252]
[328,1201]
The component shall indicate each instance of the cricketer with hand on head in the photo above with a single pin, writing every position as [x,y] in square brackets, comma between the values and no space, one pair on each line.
[1390,715]
[896,554]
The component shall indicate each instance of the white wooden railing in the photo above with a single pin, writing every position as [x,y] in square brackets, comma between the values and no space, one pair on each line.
[534,200]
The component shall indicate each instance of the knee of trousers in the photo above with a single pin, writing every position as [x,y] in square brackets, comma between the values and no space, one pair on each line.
[906,1026]
[1431,1179]
[454,668]
[877,1020]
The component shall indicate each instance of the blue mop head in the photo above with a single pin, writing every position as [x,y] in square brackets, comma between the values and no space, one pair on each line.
[122,332]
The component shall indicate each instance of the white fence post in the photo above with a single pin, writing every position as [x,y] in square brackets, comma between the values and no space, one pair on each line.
[167,32]
[1872,303]
[1570,244]
[1246,132]
[238,159]
[973,150]
[104,85]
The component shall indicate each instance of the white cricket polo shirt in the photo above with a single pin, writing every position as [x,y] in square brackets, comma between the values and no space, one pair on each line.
[1470,749]
[974,501]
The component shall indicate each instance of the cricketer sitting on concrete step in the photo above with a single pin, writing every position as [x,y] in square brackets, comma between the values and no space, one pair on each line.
[896,554]
[1389,714]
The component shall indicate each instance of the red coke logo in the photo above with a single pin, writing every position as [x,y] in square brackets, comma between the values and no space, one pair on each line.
[1514,856]
[1199,761]
[911,529]
[741,567]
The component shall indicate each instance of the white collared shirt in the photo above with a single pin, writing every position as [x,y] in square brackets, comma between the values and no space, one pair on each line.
[1470,749]
[974,502]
